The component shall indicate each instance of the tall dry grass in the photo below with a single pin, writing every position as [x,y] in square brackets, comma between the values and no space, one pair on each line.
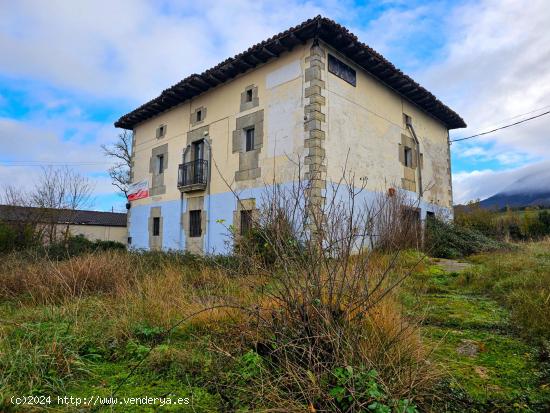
[46,281]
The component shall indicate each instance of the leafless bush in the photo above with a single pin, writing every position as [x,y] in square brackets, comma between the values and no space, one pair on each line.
[329,305]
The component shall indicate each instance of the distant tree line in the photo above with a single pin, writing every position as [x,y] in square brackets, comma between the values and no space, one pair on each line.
[529,223]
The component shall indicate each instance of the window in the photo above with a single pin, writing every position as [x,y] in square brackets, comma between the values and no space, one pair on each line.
[129,240]
[408,157]
[249,95]
[161,131]
[199,115]
[195,223]
[156,226]
[407,119]
[160,164]
[249,139]
[342,70]
[246,221]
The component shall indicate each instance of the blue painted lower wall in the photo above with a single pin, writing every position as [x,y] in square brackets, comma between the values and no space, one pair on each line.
[219,212]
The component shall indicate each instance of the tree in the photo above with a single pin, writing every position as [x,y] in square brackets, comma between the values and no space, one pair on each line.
[121,151]
[60,189]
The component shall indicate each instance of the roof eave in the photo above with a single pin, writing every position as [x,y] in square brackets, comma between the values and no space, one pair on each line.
[327,30]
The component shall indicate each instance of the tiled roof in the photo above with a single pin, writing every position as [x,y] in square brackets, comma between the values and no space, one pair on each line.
[62,216]
[319,27]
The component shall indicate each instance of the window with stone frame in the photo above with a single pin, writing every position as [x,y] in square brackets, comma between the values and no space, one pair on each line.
[161,131]
[195,229]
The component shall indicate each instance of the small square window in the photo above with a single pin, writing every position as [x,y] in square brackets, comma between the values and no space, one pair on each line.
[195,229]
[246,221]
[156,226]
[249,139]
[249,95]
[408,157]
[407,120]
[199,115]
[160,164]
[161,131]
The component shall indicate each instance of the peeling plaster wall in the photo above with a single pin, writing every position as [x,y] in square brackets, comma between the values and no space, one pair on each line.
[277,91]
[365,124]
[362,124]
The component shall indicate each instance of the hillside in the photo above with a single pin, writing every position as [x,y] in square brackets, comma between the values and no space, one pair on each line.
[530,188]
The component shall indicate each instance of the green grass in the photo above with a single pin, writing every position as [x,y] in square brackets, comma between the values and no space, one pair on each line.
[498,306]
[478,308]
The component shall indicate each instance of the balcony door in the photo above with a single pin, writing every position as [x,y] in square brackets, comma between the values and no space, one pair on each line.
[198,150]
[198,157]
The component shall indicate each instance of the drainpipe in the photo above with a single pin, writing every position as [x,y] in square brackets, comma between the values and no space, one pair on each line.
[411,128]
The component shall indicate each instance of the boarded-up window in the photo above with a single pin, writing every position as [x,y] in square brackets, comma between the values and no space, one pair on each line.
[156,226]
[195,223]
[342,70]
[246,221]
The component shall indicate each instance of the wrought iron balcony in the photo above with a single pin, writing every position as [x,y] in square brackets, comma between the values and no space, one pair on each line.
[193,176]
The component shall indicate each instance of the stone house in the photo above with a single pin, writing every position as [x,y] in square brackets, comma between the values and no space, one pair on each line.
[313,91]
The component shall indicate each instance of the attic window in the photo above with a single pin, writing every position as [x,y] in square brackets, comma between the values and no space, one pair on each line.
[249,95]
[199,115]
[342,70]
[407,119]
[161,131]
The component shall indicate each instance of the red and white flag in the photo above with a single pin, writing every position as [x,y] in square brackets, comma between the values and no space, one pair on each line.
[138,190]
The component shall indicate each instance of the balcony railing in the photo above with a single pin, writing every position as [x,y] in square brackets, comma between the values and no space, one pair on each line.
[193,176]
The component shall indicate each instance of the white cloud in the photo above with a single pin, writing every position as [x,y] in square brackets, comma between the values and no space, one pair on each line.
[494,68]
[485,183]
[133,49]
[26,147]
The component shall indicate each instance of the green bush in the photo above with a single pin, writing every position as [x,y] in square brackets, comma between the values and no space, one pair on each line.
[448,240]
[16,237]
[79,245]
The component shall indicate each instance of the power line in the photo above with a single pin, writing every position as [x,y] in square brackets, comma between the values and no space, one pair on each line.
[502,127]
[523,114]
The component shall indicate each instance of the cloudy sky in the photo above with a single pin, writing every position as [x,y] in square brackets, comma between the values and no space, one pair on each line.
[69,69]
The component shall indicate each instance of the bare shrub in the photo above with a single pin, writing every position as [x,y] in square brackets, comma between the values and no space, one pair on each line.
[329,305]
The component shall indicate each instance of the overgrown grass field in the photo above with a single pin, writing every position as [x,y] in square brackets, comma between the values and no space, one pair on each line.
[165,325]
